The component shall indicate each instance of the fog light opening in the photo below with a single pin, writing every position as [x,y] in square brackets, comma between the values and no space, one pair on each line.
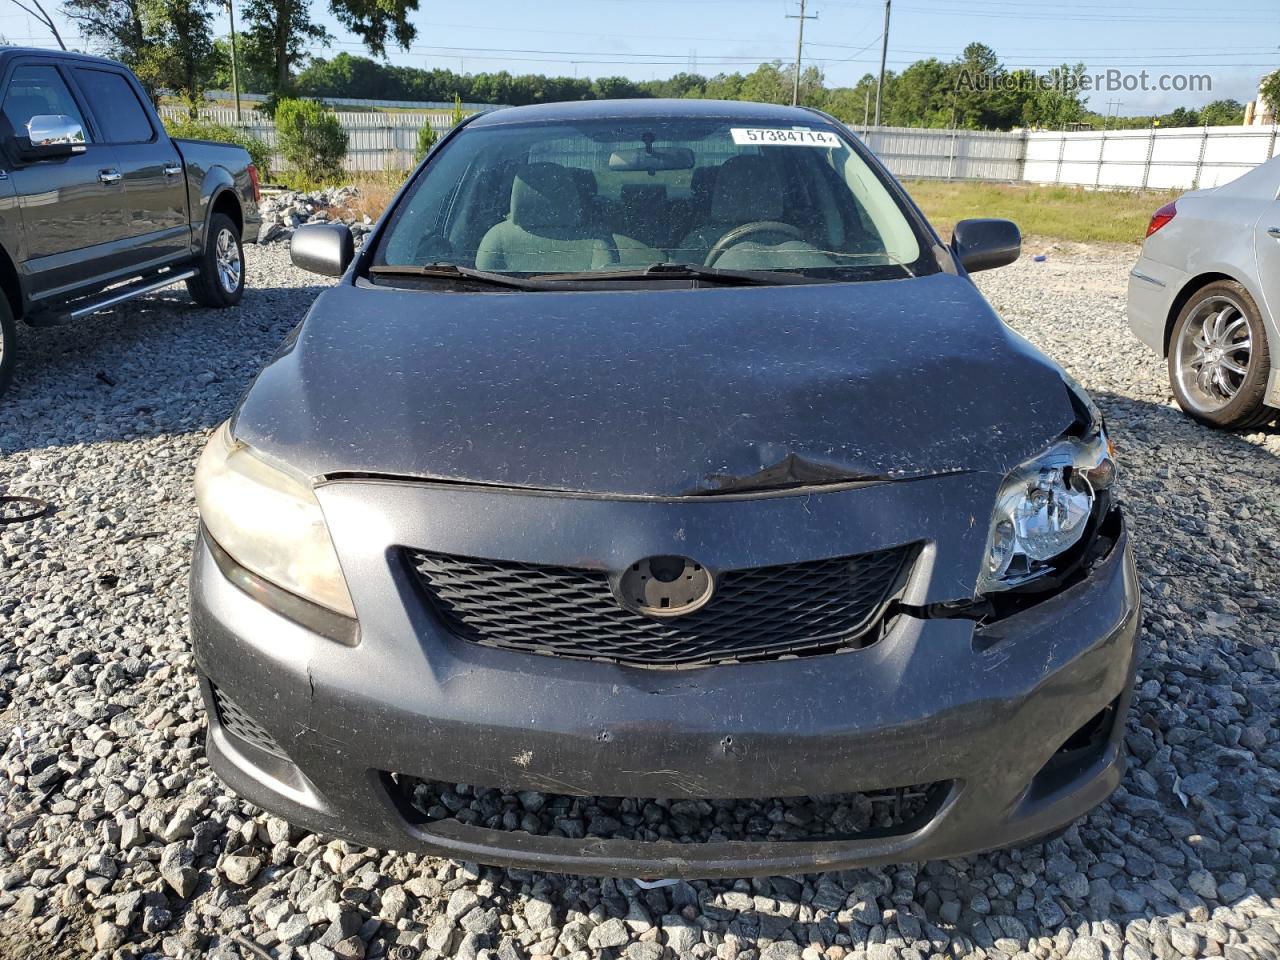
[1092,732]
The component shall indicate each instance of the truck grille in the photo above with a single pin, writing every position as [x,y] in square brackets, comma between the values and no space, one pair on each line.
[755,613]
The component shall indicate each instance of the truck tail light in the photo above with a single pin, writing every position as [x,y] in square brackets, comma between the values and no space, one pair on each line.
[1162,216]
[257,191]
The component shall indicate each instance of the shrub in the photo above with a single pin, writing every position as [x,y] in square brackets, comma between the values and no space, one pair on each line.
[457,111]
[426,140]
[311,139]
[259,152]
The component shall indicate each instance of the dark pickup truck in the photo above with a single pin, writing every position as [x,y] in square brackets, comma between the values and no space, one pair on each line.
[99,205]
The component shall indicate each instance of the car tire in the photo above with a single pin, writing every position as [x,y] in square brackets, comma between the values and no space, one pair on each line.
[8,344]
[220,282]
[1219,358]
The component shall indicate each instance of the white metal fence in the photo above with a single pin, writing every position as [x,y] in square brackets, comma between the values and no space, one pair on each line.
[914,153]
[1182,158]
[378,141]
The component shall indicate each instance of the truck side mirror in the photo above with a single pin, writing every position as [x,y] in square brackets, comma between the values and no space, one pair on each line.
[51,135]
[323,248]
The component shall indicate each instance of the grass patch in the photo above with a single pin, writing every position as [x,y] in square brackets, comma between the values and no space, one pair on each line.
[1064,213]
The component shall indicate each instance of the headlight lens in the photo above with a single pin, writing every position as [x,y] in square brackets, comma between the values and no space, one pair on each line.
[1043,510]
[269,522]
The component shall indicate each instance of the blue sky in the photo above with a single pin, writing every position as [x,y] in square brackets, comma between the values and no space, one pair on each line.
[1234,41]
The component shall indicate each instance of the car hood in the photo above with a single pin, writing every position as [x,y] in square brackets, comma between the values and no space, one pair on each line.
[658,393]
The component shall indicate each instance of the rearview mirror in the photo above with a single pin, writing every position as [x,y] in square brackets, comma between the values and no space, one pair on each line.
[51,135]
[323,248]
[673,158]
[986,244]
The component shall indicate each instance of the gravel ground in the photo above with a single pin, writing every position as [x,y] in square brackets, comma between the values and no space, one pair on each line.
[119,842]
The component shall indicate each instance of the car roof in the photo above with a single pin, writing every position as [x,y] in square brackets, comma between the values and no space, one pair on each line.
[646,108]
[8,52]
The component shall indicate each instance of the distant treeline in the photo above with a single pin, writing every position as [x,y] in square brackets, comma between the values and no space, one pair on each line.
[972,92]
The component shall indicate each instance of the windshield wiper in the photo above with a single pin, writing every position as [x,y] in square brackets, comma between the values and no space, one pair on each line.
[452,271]
[683,271]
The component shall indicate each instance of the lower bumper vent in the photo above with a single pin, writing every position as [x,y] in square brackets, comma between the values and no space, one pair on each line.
[240,724]
[847,816]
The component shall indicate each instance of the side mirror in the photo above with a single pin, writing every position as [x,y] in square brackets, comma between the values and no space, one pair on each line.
[51,135]
[323,248]
[986,244]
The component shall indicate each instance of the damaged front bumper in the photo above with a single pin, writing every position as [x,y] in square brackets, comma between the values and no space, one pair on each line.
[944,737]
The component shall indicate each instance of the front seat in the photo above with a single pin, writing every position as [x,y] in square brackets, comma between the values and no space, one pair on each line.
[547,229]
[747,188]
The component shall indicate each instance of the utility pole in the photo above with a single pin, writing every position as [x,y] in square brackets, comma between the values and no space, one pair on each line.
[795,86]
[235,68]
[884,54]
[866,110]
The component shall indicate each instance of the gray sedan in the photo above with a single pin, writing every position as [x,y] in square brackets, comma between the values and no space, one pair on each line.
[1206,294]
[655,495]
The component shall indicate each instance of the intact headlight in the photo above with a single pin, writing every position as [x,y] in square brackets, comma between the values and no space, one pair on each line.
[1043,509]
[269,522]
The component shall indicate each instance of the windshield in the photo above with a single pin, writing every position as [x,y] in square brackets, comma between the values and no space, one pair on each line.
[598,197]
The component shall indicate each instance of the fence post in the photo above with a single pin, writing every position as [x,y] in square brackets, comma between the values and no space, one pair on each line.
[951,164]
[1102,148]
[1062,149]
[1271,151]
[1151,148]
[1204,142]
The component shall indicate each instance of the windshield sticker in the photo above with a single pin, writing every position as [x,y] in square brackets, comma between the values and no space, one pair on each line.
[784,138]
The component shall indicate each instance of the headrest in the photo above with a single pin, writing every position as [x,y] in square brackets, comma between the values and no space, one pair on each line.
[747,188]
[703,182]
[585,179]
[545,195]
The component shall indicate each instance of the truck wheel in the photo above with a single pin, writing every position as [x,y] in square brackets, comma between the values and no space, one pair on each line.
[1219,358]
[8,343]
[220,282]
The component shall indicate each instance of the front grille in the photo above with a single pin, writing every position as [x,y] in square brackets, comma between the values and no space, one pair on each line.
[833,817]
[238,723]
[755,613]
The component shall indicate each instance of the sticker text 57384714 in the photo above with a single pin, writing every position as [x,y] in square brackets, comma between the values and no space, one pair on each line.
[784,138]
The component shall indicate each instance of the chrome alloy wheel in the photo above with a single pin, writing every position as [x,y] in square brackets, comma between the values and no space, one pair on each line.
[1211,357]
[227,256]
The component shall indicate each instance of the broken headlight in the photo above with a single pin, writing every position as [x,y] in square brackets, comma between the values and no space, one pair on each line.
[269,522]
[1043,510]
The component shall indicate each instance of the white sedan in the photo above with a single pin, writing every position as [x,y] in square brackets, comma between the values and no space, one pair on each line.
[1205,293]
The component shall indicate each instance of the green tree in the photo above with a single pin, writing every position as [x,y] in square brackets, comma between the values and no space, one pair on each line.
[426,140]
[1180,117]
[179,53]
[923,95]
[1059,102]
[278,32]
[768,83]
[167,43]
[275,39]
[1222,113]
[311,139]
[112,27]
[1269,90]
[252,78]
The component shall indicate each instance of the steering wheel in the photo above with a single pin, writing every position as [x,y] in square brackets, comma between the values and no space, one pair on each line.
[740,233]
